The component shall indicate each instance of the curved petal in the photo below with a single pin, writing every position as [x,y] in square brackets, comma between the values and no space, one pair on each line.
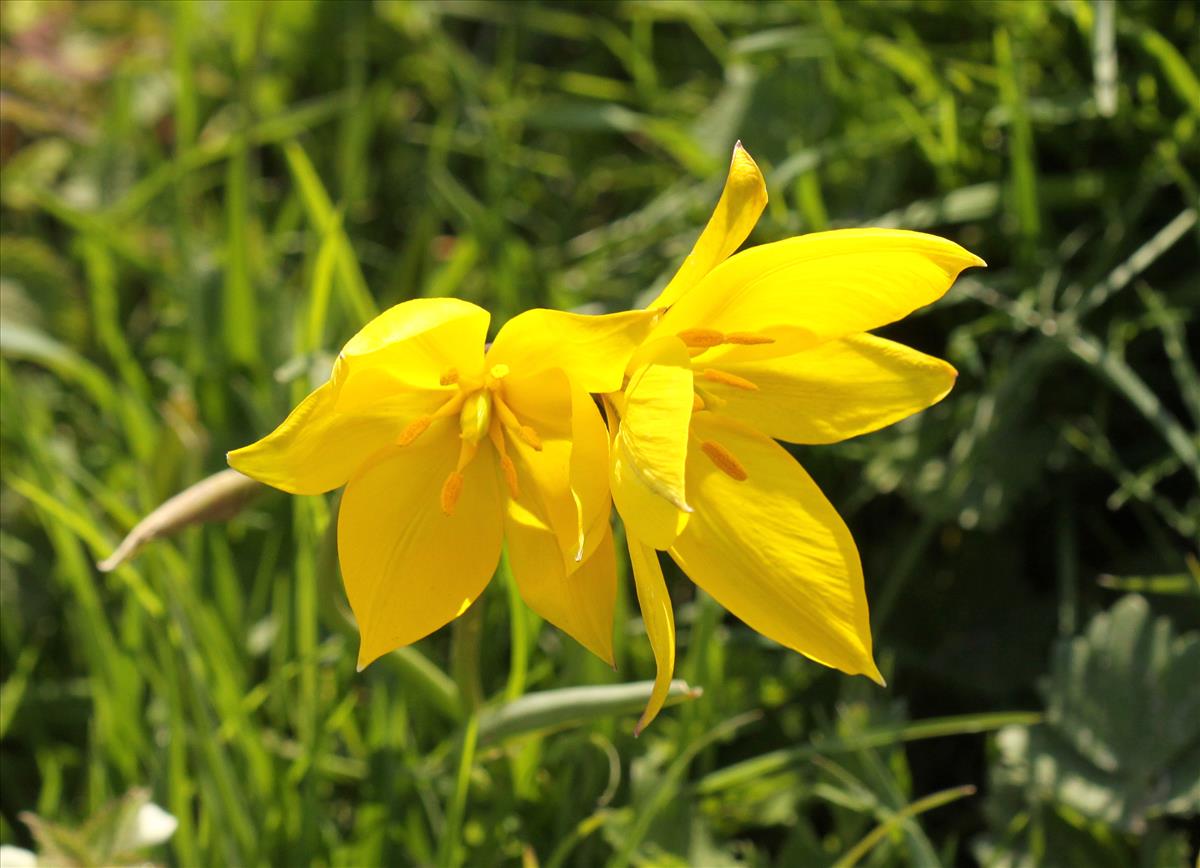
[580,604]
[592,350]
[414,344]
[773,551]
[589,482]
[562,484]
[409,568]
[741,203]
[649,452]
[819,287]
[833,391]
[316,449]
[659,619]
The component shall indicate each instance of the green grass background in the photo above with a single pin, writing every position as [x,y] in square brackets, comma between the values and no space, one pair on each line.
[201,201]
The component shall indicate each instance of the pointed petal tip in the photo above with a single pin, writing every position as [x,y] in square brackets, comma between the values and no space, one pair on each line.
[874,674]
[678,501]
[235,458]
[604,651]
[364,659]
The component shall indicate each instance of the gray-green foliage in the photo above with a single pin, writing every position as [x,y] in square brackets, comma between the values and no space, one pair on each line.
[1120,746]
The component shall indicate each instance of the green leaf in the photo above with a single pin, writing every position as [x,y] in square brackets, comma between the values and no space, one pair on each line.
[326,221]
[571,706]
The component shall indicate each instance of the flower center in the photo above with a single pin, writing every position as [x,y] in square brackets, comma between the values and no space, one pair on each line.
[482,412]
[475,417]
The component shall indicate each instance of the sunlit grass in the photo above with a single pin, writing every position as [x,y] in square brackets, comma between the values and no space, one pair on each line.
[200,201]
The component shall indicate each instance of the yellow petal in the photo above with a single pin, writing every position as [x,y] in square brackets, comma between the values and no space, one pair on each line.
[562,485]
[835,390]
[414,344]
[773,551]
[580,604]
[738,209]
[589,481]
[659,619]
[648,456]
[317,449]
[409,568]
[592,350]
[813,288]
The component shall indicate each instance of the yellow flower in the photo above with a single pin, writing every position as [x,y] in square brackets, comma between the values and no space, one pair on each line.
[446,449]
[769,344]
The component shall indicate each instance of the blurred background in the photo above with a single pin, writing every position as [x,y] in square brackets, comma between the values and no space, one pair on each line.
[202,201]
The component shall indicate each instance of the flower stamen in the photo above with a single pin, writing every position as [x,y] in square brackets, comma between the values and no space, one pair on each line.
[724,460]
[531,437]
[449,377]
[496,434]
[451,489]
[701,338]
[747,339]
[728,379]
[413,430]
[453,486]
[418,426]
[510,421]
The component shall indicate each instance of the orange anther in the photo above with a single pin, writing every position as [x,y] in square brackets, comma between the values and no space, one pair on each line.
[510,476]
[496,433]
[747,339]
[701,337]
[531,437]
[724,460]
[510,421]
[728,379]
[413,430]
[449,377]
[451,489]
[697,403]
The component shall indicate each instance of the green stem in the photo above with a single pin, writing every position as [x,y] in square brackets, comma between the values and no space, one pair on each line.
[465,642]
[449,850]
[868,843]
[465,647]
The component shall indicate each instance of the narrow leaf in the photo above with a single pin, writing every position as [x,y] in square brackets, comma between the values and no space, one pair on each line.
[571,706]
